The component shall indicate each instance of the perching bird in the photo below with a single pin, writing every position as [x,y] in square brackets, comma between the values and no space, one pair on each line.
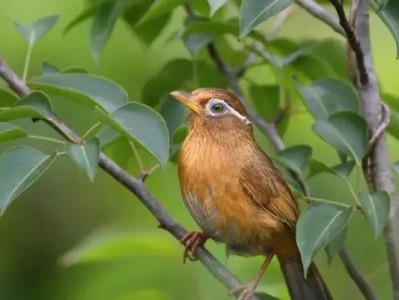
[236,195]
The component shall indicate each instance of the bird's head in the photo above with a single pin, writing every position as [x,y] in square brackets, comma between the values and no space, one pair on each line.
[214,108]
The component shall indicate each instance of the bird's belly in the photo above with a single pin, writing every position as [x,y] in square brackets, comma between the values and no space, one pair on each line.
[238,227]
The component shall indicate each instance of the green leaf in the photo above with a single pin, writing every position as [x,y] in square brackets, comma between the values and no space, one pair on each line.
[103,24]
[345,131]
[376,208]
[295,158]
[328,96]
[85,88]
[140,123]
[281,61]
[159,8]
[266,99]
[336,245]
[393,127]
[177,74]
[389,14]
[254,12]
[88,12]
[107,135]
[48,68]
[180,134]
[86,156]
[317,226]
[20,167]
[342,170]
[345,169]
[113,244]
[36,30]
[10,132]
[34,105]
[173,113]
[7,98]
[215,5]
[312,67]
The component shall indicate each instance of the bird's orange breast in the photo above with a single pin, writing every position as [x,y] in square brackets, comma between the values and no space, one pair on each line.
[210,184]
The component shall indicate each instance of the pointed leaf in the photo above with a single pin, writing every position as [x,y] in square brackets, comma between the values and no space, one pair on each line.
[389,14]
[20,167]
[328,96]
[10,132]
[35,31]
[345,169]
[254,12]
[159,8]
[140,123]
[266,99]
[318,225]
[342,170]
[88,12]
[345,131]
[295,158]
[86,156]
[103,24]
[336,244]
[173,113]
[34,105]
[96,90]
[376,208]
[215,5]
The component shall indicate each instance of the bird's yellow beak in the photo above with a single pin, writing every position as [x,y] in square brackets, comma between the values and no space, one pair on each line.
[184,98]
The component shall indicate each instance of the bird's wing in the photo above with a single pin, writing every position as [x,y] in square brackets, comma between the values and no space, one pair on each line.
[266,188]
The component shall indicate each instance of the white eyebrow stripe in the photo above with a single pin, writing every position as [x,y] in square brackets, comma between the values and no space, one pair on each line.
[238,115]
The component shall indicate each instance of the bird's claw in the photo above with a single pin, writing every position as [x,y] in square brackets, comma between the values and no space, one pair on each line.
[192,240]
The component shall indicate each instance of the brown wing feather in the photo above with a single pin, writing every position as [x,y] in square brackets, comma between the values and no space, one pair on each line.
[266,187]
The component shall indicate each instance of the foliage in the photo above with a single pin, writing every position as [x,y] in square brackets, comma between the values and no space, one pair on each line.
[157,124]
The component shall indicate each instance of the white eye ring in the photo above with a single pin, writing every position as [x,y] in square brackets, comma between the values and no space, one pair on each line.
[225,109]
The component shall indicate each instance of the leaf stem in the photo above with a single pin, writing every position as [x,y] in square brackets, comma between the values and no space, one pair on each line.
[27,61]
[45,138]
[91,130]
[326,201]
[138,158]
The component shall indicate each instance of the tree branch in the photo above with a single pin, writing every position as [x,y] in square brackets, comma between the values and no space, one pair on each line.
[320,13]
[352,40]
[381,173]
[361,283]
[136,186]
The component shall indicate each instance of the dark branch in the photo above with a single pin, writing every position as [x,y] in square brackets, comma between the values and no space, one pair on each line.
[136,186]
[352,41]
[320,13]
[362,284]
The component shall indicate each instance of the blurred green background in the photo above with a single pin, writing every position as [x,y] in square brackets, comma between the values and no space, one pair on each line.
[63,207]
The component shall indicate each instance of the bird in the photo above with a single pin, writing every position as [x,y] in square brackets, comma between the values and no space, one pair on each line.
[236,195]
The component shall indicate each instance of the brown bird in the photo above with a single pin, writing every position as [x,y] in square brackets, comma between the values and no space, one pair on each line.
[236,195]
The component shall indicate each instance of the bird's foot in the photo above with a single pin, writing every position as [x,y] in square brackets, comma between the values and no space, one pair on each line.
[192,240]
[244,291]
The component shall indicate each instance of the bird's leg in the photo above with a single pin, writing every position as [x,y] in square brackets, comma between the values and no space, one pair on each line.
[192,240]
[248,289]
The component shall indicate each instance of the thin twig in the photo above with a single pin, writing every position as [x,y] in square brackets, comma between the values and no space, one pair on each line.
[361,283]
[136,186]
[352,41]
[320,13]
[385,118]
[380,172]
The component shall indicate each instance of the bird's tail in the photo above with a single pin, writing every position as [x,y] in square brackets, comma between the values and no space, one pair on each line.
[311,288]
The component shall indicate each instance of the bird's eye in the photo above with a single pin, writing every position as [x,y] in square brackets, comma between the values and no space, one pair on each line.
[218,107]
